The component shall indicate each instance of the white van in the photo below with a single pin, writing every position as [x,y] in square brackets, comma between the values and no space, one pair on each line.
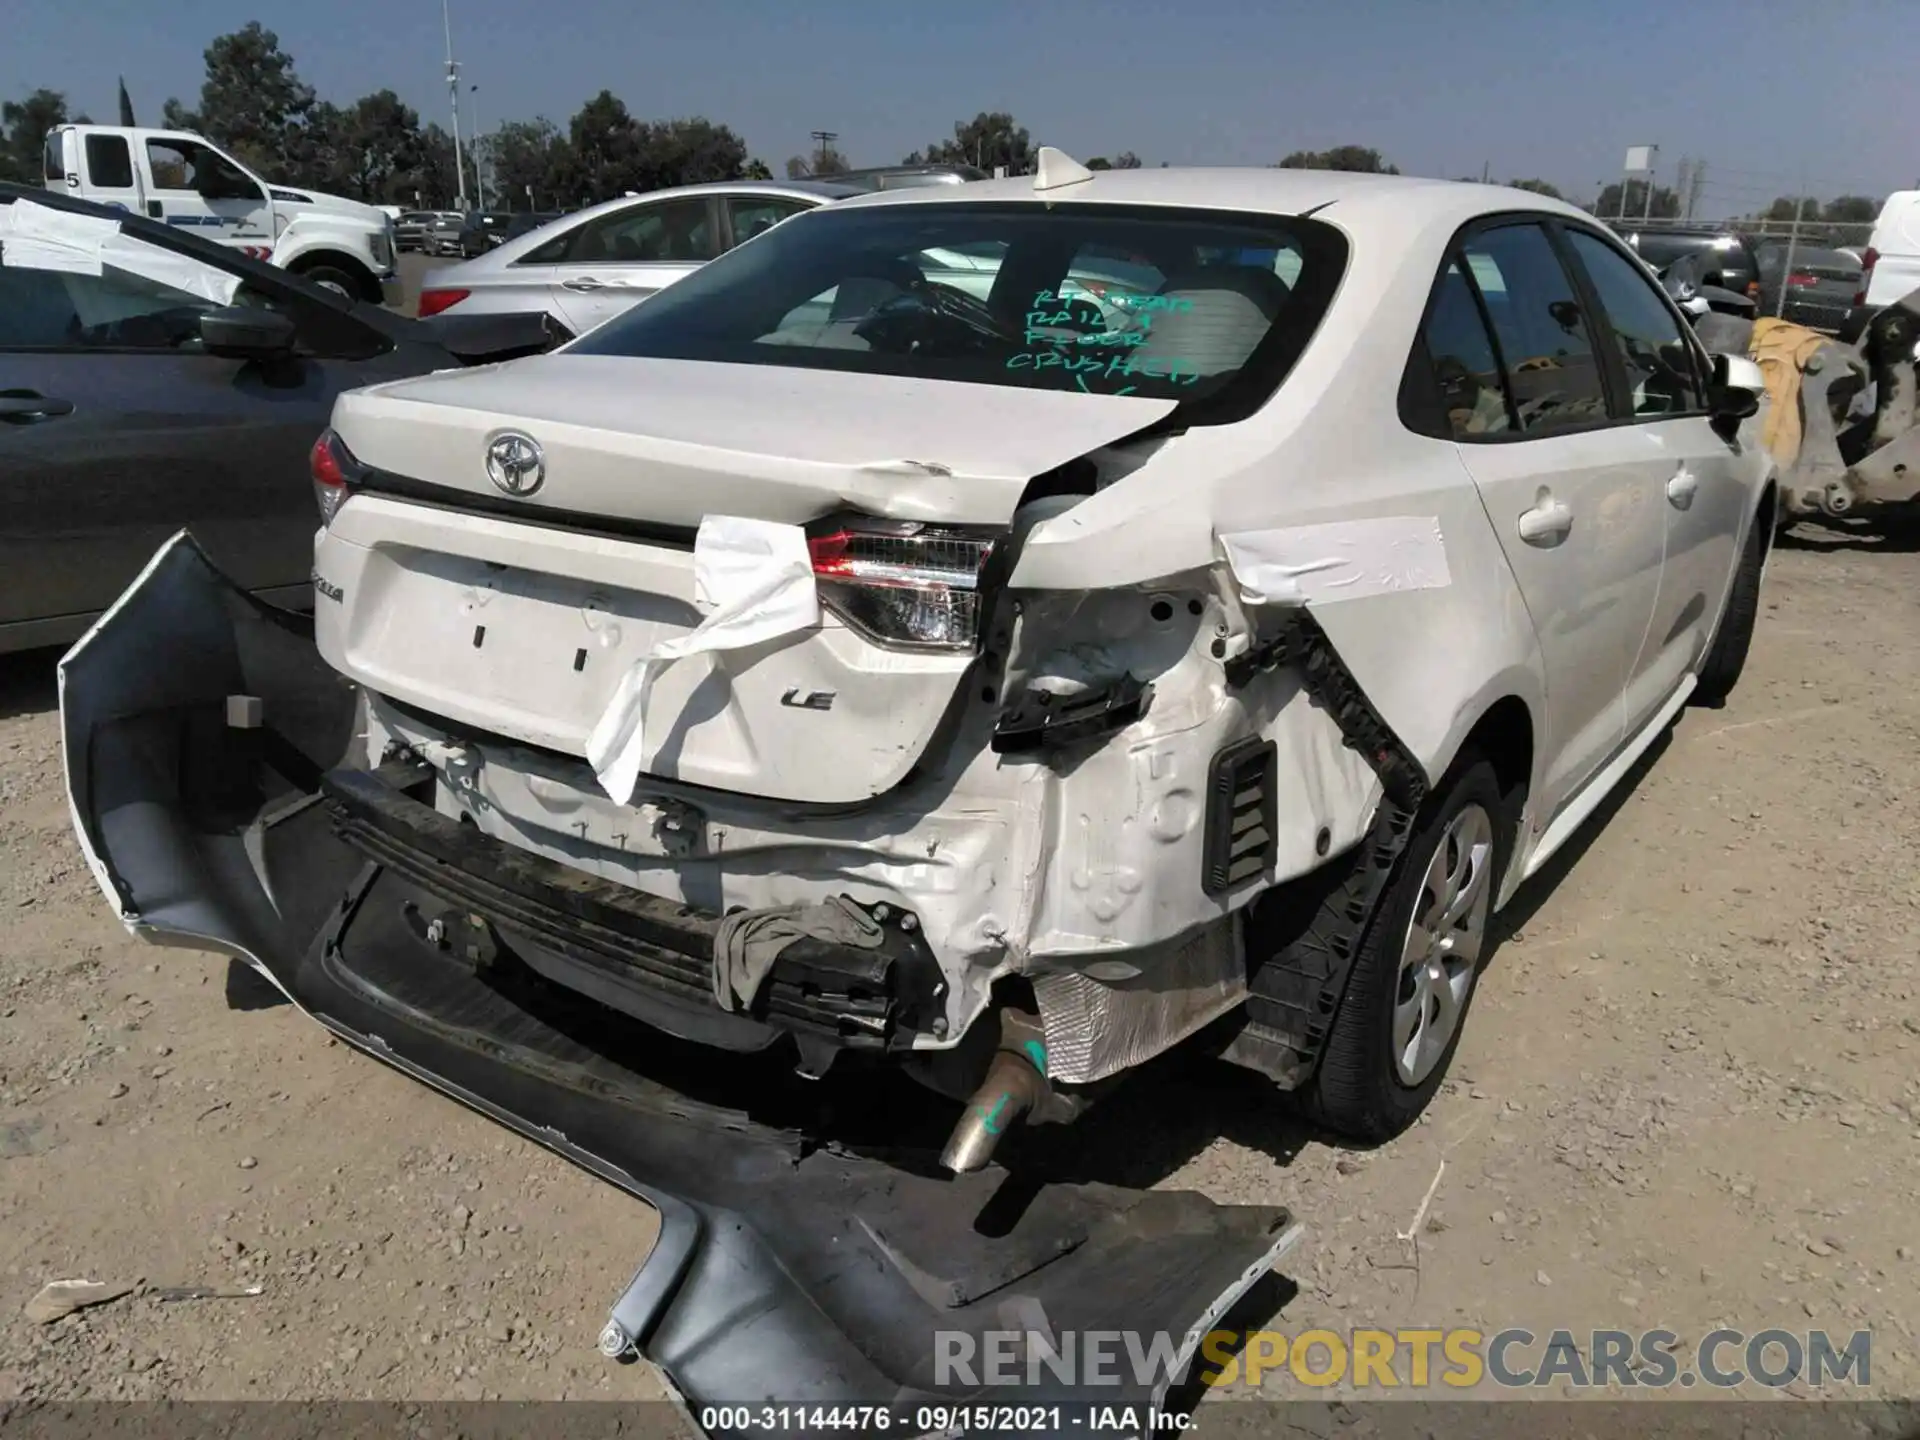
[1891,261]
[187,180]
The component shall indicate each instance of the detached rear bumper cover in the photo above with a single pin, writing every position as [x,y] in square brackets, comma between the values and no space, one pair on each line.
[198,723]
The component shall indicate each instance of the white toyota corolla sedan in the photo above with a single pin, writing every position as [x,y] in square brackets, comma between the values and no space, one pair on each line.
[1196,626]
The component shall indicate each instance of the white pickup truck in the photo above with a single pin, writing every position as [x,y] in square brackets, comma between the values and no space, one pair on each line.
[184,179]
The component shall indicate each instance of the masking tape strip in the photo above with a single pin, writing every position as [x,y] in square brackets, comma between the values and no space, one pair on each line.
[1343,560]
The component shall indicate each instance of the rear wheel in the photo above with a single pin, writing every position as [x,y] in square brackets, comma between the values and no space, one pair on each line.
[1727,656]
[1412,981]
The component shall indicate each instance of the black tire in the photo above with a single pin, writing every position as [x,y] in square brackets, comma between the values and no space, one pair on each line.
[1356,1091]
[1727,655]
[335,277]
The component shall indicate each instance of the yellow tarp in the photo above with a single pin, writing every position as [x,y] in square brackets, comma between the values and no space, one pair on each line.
[1782,350]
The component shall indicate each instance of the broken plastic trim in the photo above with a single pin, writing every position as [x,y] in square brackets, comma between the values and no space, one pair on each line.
[1302,644]
[1301,939]
[1040,720]
[786,1271]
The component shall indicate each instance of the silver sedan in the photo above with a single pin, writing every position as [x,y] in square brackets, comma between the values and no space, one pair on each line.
[588,267]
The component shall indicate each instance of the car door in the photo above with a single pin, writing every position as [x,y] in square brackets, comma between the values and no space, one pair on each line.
[617,259]
[1570,492]
[1707,482]
[194,186]
[116,431]
[111,178]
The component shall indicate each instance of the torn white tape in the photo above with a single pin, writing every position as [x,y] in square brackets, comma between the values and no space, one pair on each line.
[1344,560]
[754,578]
[39,237]
[163,267]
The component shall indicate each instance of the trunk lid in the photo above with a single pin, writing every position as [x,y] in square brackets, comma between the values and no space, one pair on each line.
[523,616]
[670,441]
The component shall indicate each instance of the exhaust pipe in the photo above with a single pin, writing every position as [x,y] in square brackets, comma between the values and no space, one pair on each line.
[1016,1086]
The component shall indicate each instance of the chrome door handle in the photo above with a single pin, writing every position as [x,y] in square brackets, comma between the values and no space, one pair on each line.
[1548,523]
[1681,488]
[583,285]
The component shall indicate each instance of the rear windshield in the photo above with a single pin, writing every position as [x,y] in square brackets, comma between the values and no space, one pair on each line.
[1660,251]
[1155,302]
[1809,258]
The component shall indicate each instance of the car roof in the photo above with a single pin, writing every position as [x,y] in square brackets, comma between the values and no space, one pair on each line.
[1341,196]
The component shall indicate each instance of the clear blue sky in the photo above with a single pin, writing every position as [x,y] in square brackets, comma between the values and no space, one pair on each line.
[1765,92]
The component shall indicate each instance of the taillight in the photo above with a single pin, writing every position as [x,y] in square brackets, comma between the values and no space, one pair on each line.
[1867,262]
[334,472]
[432,302]
[1753,289]
[1802,280]
[901,582]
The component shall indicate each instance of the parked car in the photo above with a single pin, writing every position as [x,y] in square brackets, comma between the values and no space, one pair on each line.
[819,668]
[586,267]
[525,222]
[150,379]
[466,234]
[1730,258]
[904,177]
[482,231]
[411,230]
[1819,286]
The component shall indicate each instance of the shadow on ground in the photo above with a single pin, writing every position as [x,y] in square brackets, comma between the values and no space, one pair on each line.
[29,683]
[1895,533]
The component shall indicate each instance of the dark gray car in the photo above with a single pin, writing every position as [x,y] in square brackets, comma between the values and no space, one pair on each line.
[150,380]
[1820,284]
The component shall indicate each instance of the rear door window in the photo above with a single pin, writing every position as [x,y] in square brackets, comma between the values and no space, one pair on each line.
[750,214]
[673,230]
[1544,338]
[109,162]
[1473,391]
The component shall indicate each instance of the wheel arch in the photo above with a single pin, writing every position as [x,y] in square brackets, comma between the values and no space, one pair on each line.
[1504,728]
[340,260]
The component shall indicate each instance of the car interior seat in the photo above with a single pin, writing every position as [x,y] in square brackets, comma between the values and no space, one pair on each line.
[1213,317]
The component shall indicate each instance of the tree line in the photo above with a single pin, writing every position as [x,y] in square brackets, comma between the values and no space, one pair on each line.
[253,101]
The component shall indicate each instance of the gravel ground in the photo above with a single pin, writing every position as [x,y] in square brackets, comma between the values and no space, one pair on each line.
[1687,1097]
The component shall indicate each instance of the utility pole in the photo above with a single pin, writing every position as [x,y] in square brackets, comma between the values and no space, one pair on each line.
[824,138]
[1486,171]
[1653,168]
[453,97]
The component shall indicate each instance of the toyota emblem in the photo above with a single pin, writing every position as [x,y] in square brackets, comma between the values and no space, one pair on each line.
[514,463]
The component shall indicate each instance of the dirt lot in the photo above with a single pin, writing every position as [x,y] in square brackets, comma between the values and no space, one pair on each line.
[1688,1096]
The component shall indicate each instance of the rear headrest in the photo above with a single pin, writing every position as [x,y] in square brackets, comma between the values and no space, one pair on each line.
[1227,311]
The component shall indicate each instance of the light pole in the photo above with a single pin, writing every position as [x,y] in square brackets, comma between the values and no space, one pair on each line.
[453,96]
[479,167]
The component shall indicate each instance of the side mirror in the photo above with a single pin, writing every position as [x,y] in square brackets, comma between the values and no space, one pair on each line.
[1734,395]
[241,332]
